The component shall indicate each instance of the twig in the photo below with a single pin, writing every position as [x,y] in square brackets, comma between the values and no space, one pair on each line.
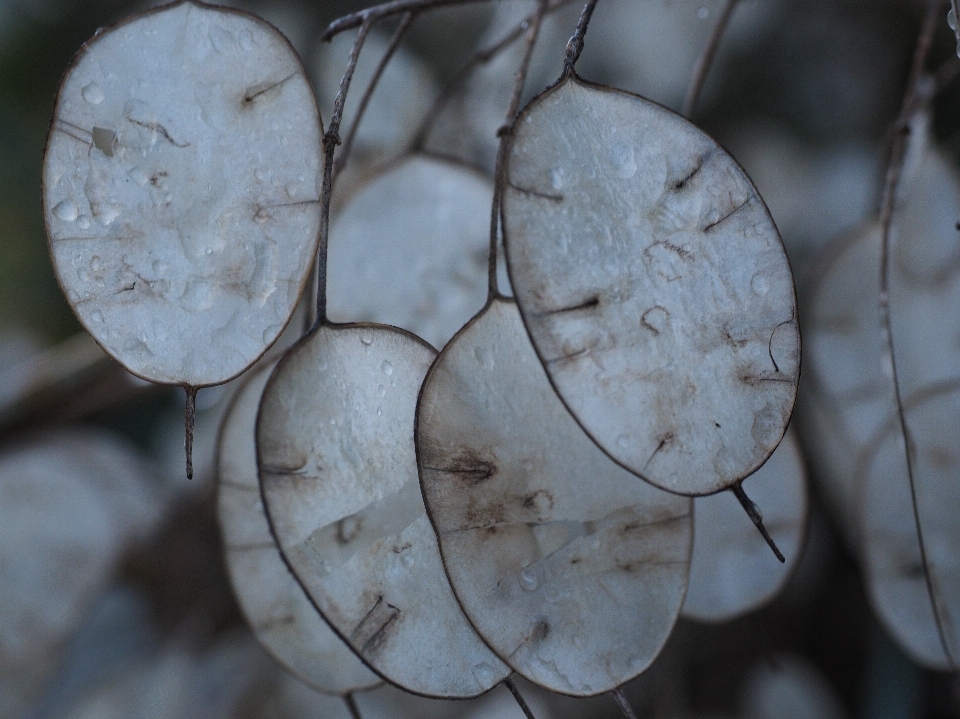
[352,707]
[706,58]
[508,683]
[331,139]
[481,57]
[504,134]
[913,99]
[623,703]
[575,43]
[756,518]
[372,15]
[189,415]
[398,34]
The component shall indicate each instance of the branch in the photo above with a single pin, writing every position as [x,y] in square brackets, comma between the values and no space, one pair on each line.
[481,57]
[331,139]
[341,160]
[374,14]
[504,133]
[706,58]
[575,43]
[508,682]
[917,95]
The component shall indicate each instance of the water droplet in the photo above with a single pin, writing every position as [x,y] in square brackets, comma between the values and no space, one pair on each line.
[83,275]
[246,40]
[386,368]
[623,441]
[92,93]
[485,674]
[381,390]
[366,338]
[142,337]
[258,174]
[83,222]
[407,559]
[291,189]
[623,161]
[379,412]
[551,592]
[703,13]
[96,316]
[139,175]
[95,263]
[483,357]
[529,580]
[67,210]
[760,285]
[556,179]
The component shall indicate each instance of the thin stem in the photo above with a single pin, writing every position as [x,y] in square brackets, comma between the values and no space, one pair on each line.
[189,415]
[481,57]
[398,34]
[706,58]
[331,139]
[914,98]
[756,518]
[352,705]
[575,43]
[372,15]
[508,683]
[519,80]
[955,6]
[623,703]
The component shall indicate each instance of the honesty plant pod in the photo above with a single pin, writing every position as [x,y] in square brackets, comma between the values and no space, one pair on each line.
[653,284]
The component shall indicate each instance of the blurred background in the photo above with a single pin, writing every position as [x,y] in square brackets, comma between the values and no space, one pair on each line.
[114,601]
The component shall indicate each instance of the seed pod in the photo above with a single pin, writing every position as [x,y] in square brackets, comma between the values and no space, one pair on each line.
[181,184]
[571,568]
[653,284]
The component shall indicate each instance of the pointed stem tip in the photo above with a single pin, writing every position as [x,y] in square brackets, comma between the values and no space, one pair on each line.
[508,682]
[623,703]
[188,419]
[756,518]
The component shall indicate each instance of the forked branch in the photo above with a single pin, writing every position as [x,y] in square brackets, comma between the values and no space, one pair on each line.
[373,15]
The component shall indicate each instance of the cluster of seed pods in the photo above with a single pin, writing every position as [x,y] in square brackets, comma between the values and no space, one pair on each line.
[520,501]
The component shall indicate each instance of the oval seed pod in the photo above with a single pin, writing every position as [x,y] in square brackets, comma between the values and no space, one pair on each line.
[571,569]
[653,284]
[410,249]
[339,477]
[180,186]
[731,572]
[896,579]
[277,610]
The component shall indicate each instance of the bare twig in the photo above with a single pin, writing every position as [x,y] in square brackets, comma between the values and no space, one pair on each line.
[756,518]
[189,415]
[331,139]
[575,43]
[915,97]
[398,34]
[706,58]
[508,683]
[623,703]
[481,57]
[372,15]
[504,133]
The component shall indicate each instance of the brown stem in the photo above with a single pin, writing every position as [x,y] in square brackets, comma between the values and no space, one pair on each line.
[623,703]
[520,80]
[398,34]
[756,518]
[331,139]
[508,683]
[189,415]
[376,13]
[914,99]
[575,43]
[706,58]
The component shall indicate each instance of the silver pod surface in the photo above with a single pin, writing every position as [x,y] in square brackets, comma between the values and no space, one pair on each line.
[571,568]
[339,476]
[180,187]
[653,284]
